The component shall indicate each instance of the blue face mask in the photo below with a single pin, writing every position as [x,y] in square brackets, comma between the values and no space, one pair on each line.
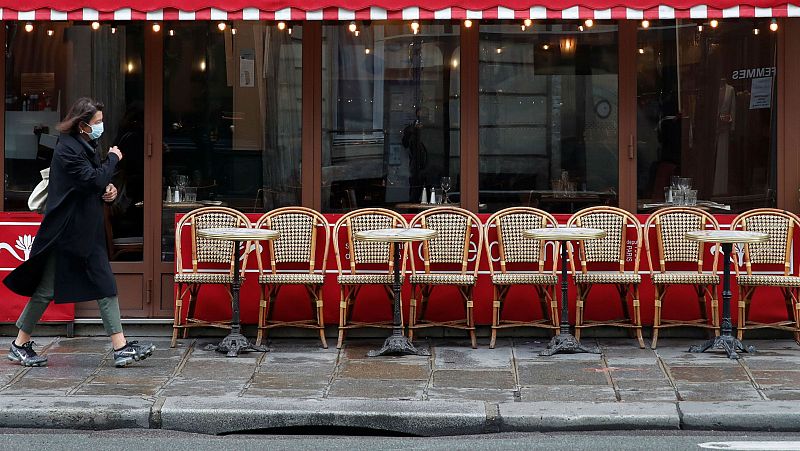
[97,130]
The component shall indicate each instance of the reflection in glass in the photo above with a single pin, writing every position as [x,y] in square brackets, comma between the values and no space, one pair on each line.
[548,116]
[390,113]
[232,118]
[706,111]
[47,69]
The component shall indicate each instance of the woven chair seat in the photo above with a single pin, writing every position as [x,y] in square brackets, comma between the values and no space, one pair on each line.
[511,278]
[685,277]
[292,279]
[205,277]
[764,280]
[442,279]
[366,279]
[607,277]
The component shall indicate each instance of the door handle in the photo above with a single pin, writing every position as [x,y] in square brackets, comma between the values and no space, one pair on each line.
[630,147]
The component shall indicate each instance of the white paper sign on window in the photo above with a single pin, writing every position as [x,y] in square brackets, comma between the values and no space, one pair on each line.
[761,93]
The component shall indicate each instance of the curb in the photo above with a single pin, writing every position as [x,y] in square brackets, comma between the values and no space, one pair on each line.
[74,412]
[227,414]
[741,415]
[222,415]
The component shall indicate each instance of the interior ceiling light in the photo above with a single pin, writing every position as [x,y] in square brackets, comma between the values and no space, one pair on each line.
[467,23]
[773,26]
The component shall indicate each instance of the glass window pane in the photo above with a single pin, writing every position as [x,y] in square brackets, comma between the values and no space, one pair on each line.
[706,106]
[232,118]
[548,116]
[390,114]
[47,69]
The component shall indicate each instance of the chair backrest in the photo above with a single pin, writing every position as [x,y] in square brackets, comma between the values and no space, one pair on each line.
[512,247]
[209,250]
[671,225]
[452,244]
[365,252]
[298,228]
[779,225]
[612,248]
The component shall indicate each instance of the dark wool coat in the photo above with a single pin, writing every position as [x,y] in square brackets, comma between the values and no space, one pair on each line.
[72,227]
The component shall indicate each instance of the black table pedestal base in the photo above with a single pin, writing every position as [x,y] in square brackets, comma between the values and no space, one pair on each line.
[566,344]
[235,343]
[728,343]
[397,345]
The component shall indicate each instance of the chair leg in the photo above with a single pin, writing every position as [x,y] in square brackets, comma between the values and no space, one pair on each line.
[744,300]
[579,311]
[715,311]
[657,315]
[496,303]
[796,318]
[637,316]
[342,316]
[412,313]
[554,309]
[262,303]
[470,319]
[193,292]
[320,316]
[178,312]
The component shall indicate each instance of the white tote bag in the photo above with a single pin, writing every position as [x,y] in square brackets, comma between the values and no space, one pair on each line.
[38,198]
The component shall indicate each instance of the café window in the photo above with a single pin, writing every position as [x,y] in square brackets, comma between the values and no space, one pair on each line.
[49,65]
[548,115]
[390,114]
[232,118]
[706,114]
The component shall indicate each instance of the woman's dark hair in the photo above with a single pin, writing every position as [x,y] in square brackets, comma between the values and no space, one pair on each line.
[81,111]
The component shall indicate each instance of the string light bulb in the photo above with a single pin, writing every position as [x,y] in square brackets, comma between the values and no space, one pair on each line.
[95,25]
[522,27]
[714,23]
[290,30]
[113,30]
[641,51]
[454,63]
[415,27]
[356,33]
[281,26]
[467,23]
[171,32]
[366,50]
[645,24]
[50,32]
[580,27]
[233,30]
[156,27]
[700,28]
[755,31]
[589,23]
[28,27]
[352,27]
[222,26]
[773,26]
[546,47]
[527,22]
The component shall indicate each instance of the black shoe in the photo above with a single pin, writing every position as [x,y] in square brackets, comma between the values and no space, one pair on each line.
[132,351]
[25,355]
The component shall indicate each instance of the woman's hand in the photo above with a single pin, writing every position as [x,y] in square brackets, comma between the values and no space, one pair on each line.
[111,192]
[115,150]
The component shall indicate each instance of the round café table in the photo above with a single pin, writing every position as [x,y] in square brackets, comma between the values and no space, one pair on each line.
[726,238]
[397,343]
[235,342]
[565,342]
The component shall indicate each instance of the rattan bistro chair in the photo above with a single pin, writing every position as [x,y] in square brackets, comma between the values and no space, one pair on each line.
[611,249]
[450,247]
[671,225]
[297,244]
[516,251]
[780,226]
[357,260]
[188,280]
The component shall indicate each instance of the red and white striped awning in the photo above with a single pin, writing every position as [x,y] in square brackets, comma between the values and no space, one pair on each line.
[159,10]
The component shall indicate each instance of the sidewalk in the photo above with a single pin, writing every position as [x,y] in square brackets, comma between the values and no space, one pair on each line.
[457,390]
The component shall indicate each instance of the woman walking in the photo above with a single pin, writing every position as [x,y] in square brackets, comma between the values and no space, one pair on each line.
[69,259]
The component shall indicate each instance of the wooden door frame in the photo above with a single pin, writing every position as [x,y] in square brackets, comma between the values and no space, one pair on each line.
[626,114]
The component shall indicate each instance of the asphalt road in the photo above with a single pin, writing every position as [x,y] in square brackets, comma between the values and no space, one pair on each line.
[141,439]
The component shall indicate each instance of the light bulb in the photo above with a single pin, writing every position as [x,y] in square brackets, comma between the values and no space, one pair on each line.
[113,30]
[527,22]
[203,65]
[233,30]
[755,31]
[546,47]
[467,23]
[156,27]
[290,30]
[356,33]
[172,32]
[50,32]
[415,27]
[130,68]
[645,24]
[773,26]
[700,28]
[589,23]
[222,26]
[352,27]
[499,51]
[28,27]
[366,50]
[95,25]
[522,27]
[580,27]
[454,63]
[714,23]
[281,26]
[641,51]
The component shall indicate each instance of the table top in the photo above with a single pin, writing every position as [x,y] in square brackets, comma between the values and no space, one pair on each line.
[396,235]
[419,206]
[701,204]
[564,233]
[238,234]
[726,236]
